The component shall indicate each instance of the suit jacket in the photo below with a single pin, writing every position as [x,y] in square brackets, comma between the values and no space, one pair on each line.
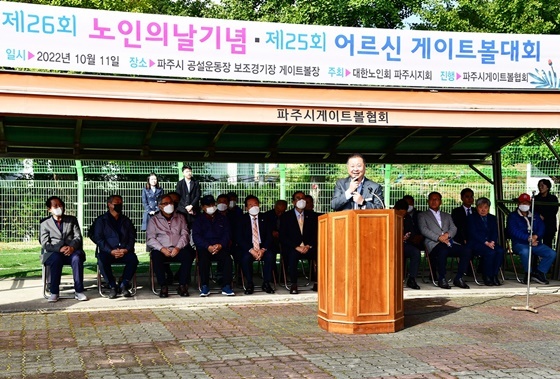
[245,233]
[150,201]
[429,227]
[340,203]
[191,197]
[290,235]
[460,220]
[52,239]
[107,238]
[480,233]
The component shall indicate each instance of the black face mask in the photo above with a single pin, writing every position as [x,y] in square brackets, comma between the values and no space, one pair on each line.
[117,208]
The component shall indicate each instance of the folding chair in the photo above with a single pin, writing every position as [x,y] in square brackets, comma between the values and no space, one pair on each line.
[102,285]
[46,277]
[261,268]
[306,275]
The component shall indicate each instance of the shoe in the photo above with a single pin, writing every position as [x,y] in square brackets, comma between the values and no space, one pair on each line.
[411,283]
[460,283]
[293,289]
[124,289]
[539,277]
[496,281]
[314,289]
[204,291]
[53,298]
[80,296]
[164,291]
[183,291]
[226,290]
[487,281]
[113,293]
[443,284]
[249,289]
[266,287]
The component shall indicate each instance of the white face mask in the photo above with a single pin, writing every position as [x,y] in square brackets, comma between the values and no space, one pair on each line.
[210,210]
[301,204]
[232,204]
[57,211]
[410,208]
[222,207]
[169,208]
[253,211]
[524,208]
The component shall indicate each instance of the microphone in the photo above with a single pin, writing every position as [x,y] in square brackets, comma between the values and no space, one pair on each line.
[377,197]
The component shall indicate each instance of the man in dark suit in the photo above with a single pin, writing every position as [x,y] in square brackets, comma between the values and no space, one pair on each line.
[356,191]
[254,237]
[61,243]
[438,229]
[460,214]
[115,235]
[190,193]
[483,241]
[298,236]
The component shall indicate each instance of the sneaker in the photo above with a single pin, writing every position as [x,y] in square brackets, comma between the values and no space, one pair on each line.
[539,277]
[53,298]
[226,290]
[204,291]
[125,291]
[113,293]
[80,296]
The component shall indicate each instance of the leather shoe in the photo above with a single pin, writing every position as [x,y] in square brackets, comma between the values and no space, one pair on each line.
[266,287]
[496,281]
[460,283]
[249,289]
[183,291]
[293,289]
[163,292]
[487,281]
[443,284]
[411,283]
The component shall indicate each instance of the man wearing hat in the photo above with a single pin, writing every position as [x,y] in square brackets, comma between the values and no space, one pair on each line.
[212,238]
[519,229]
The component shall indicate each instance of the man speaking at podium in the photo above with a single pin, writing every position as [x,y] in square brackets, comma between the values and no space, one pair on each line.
[356,191]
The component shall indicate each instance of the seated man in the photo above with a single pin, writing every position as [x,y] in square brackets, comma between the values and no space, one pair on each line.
[211,236]
[410,251]
[298,236]
[114,235]
[439,230]
[482,239]
[167,239]
[461,214]
[519,229]
[61,243]
[254,236]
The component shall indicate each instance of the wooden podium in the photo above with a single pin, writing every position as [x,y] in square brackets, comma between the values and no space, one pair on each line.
[360,272]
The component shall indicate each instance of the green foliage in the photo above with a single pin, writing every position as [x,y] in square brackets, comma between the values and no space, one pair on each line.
[491,16]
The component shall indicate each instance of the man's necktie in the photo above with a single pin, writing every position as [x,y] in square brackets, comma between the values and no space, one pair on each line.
[300,222]
[255,233]
[485,221]
[468,211]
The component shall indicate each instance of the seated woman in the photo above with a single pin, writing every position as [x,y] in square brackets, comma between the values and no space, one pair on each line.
[482,240]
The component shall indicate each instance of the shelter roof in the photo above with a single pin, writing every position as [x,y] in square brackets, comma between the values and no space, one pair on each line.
[78,117]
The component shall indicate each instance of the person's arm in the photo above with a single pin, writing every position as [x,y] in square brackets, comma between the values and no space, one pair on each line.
[339,199]
[76,242]
[151,235]
[45,237]
[145,200]
[424,226]
[130,231]
[99,235]
[375,192]
[199,238]
[517,227]
[181,224]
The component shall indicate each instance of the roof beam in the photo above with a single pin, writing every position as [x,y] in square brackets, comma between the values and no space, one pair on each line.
[148,138]
[211,149]
[78,137]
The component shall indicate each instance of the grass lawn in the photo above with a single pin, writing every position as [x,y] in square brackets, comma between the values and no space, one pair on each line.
[23,260]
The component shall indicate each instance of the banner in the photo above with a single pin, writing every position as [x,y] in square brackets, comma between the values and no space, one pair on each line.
[93,41]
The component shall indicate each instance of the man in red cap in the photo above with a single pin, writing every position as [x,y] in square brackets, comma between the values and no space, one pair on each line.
[519,229]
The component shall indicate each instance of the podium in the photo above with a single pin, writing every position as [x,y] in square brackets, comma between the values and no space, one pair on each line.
[360,272]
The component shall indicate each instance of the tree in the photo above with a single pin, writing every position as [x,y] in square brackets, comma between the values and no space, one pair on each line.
[358,13]
[491,16]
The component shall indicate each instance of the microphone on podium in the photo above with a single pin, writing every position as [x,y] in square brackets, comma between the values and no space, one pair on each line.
[377,197]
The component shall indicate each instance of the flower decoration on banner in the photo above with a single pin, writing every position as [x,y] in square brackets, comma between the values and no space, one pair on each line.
[545,79]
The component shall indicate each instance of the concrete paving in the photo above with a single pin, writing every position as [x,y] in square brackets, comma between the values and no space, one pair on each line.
[448,334]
